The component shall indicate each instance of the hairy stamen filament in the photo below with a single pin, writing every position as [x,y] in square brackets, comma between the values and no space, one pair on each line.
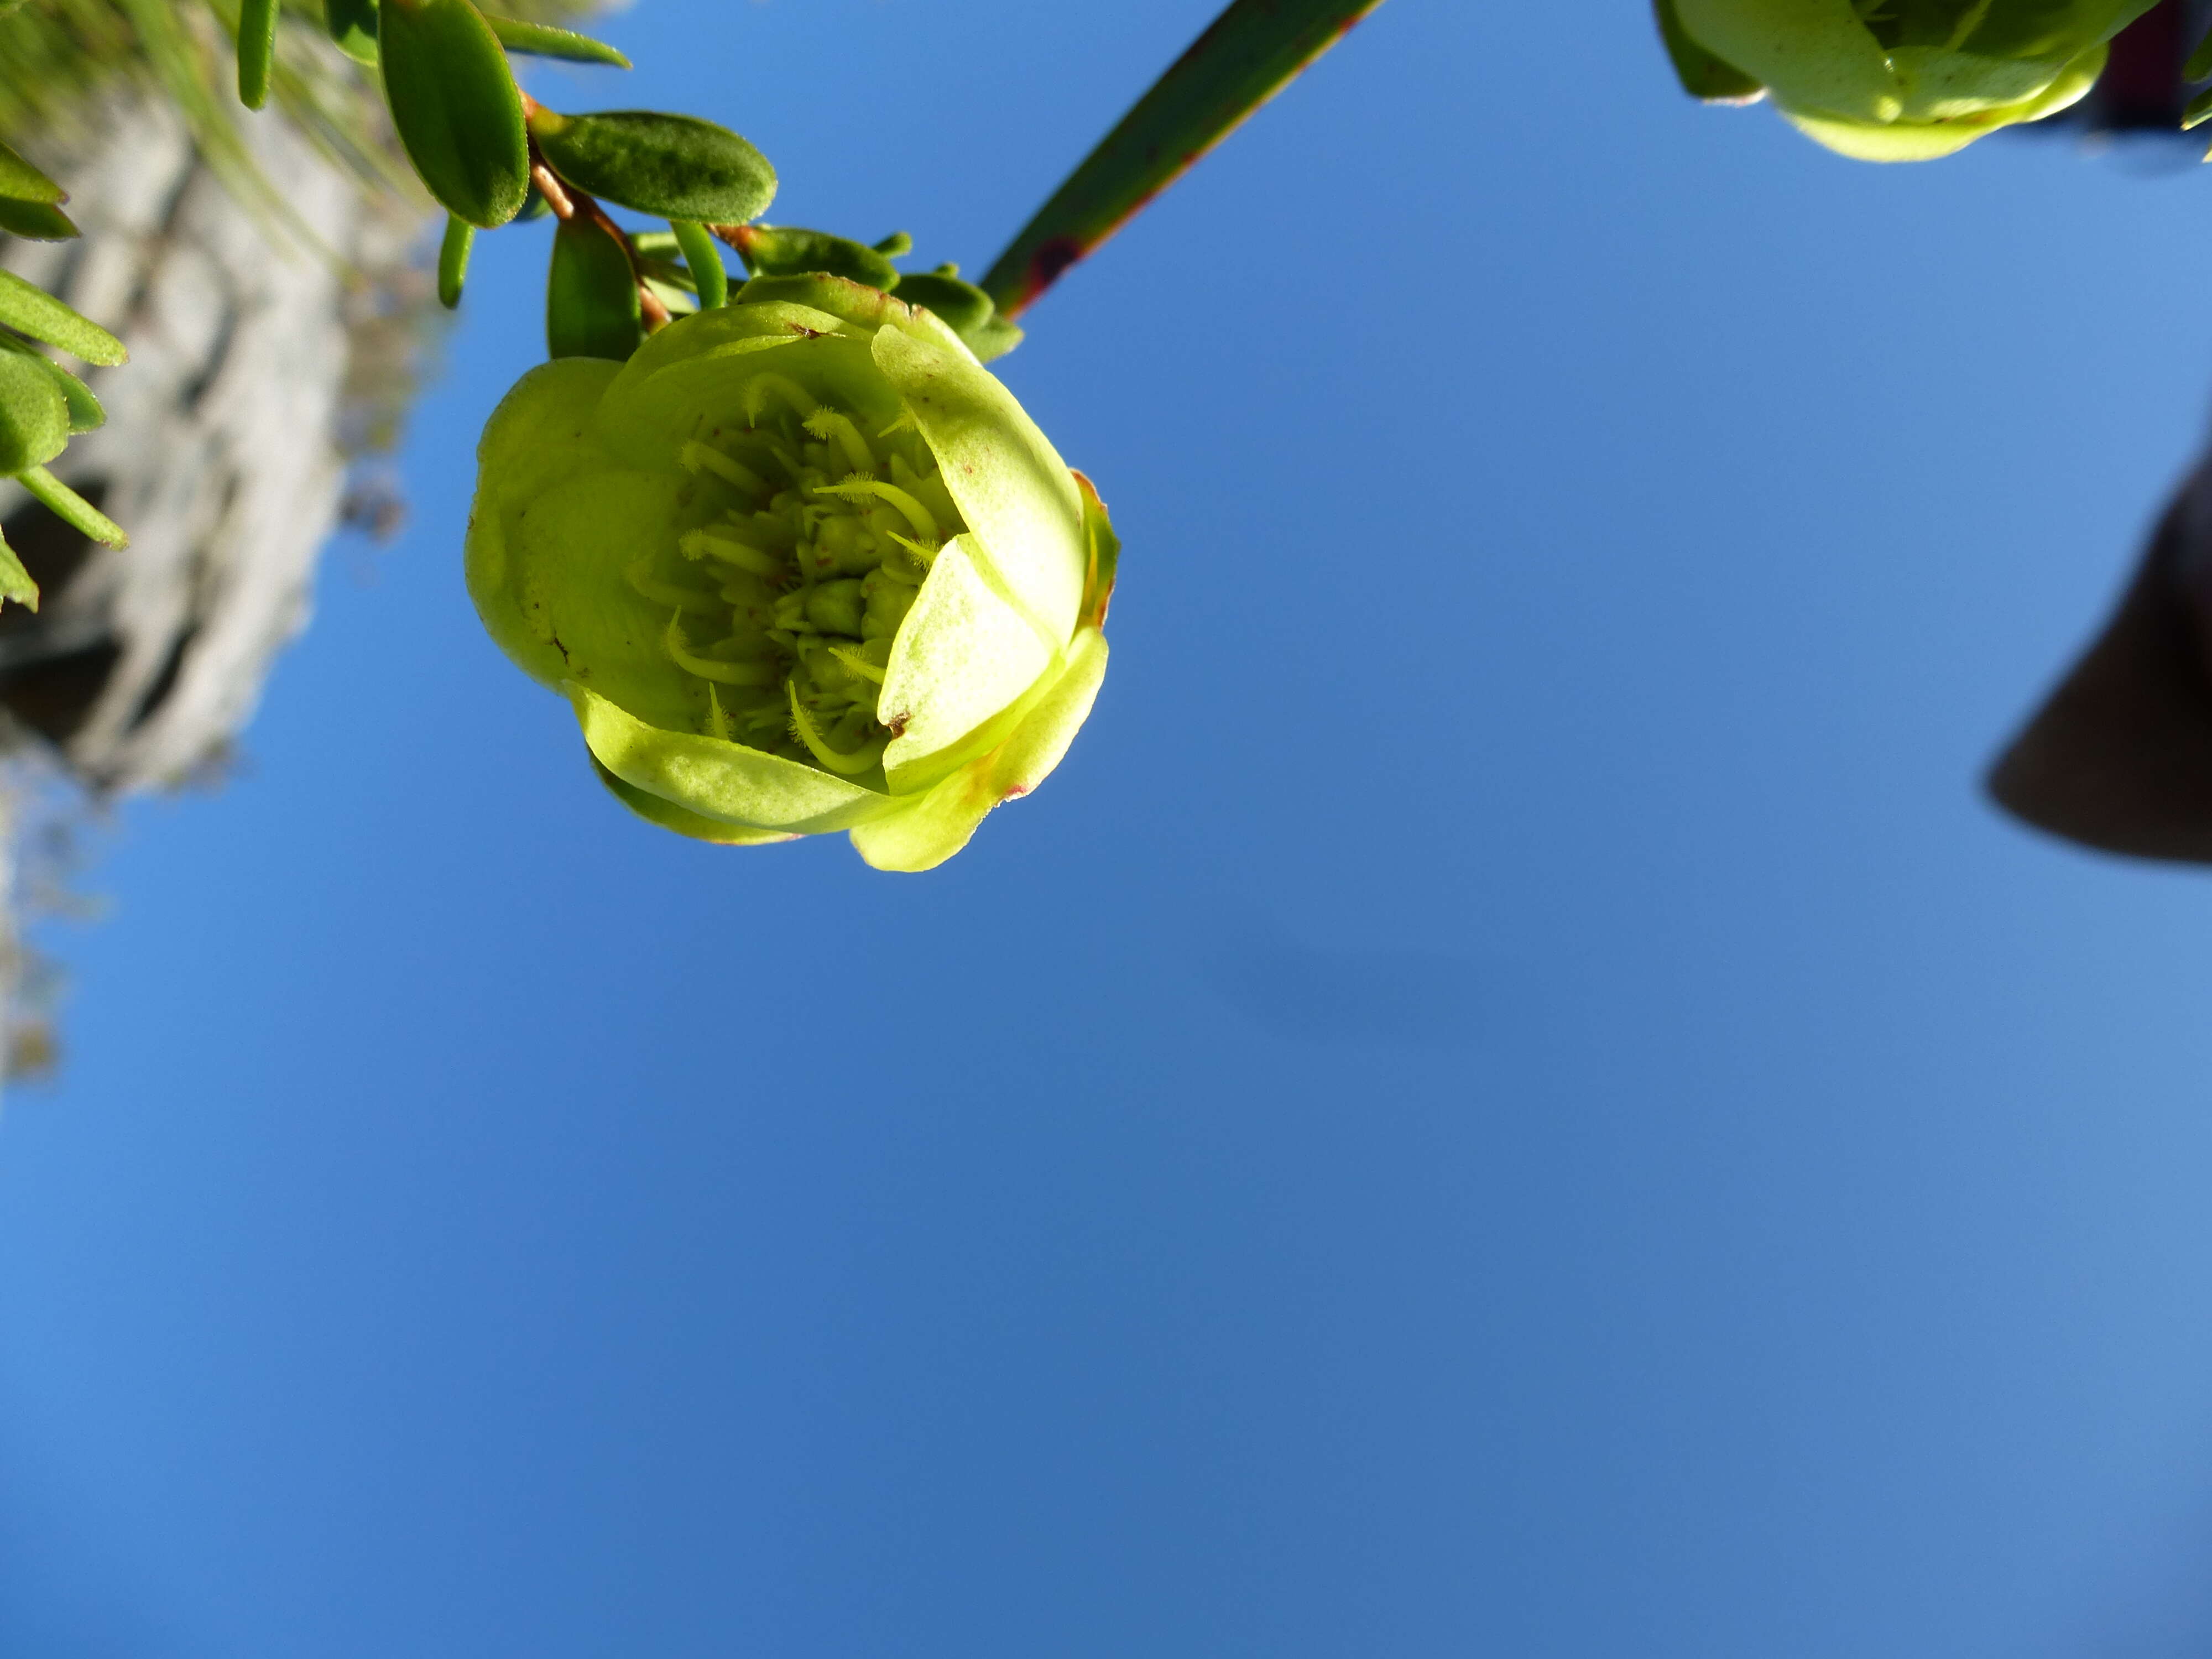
[695,455]
[728,674]
[829,425]
[833,760]
[923,520]
[756,395]
[694,544]
[683,598]
[852,657]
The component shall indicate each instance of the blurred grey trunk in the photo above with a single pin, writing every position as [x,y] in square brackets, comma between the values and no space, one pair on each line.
[255,363]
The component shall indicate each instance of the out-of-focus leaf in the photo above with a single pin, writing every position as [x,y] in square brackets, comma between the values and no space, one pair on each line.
[25,183]
[15,582]
[1702,75]
[42,221]
[1248,54]
[33,311]
[35,424]
[896,246]
[256,49]
[2199,66]
[456,105]
[453,260]
[543,40]
[591,307]
[963,305]
[352,24]
[71,508]
[995,338]
[85,413]
[704,261]
[787,251]
[676,166]
[2198,112]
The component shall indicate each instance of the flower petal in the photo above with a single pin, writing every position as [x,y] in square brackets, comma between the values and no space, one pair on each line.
[669,816]
[1813,54]
[1015,493]
[539,435]
[964,655]
[939,824]
[725,781]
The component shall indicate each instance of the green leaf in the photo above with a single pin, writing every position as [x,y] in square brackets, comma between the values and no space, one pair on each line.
[42,221]
[256,49]
[543,40]
[352,24]
[2199,66]
[15,582]
[2199,111]
[704,262]
[1702,75]
[33,311]
[453,260]
[964,307]
[674,166]
[71,508]
[34,422]
[591,307]
[456,107]
[1251,51]
[787,251]
[85,413]
[23,182]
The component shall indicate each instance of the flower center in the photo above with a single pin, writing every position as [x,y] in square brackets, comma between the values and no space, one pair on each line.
[785,607]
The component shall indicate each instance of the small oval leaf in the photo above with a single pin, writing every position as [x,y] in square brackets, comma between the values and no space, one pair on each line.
[675,165]
[453,260]
[85,413]
[543,40]
[71,508]
[256,49]
[15,582]
[25,183]
[34,424]
[788,250]
[964,307]
[456,107]
[33,311]
[352,24]
[40,222]
[591,307]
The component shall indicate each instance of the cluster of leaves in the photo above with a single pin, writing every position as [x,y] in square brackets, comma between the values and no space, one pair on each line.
[43,404]
[491,155]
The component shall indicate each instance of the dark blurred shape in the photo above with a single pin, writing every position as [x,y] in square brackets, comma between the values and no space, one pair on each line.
[2142,91]
[2119,756]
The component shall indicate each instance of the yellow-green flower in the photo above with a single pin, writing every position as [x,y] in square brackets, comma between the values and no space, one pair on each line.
[1898,80]
[801,564]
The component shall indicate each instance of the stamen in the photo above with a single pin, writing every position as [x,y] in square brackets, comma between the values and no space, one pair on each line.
[853,658]
[904,423]
[692,544]
[832,760]
[717,721]
[683,598]
[695,455]
[729,673]
[923,520]
[756,394]
[827,424]
[924,556]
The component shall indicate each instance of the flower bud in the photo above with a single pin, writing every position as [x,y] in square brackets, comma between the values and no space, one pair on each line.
[1904,79]
[800,564]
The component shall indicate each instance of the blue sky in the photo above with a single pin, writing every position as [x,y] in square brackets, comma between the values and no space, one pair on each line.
[1510,1098]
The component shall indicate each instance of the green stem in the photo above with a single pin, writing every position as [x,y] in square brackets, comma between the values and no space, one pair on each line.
[1252,51]
[704,261]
